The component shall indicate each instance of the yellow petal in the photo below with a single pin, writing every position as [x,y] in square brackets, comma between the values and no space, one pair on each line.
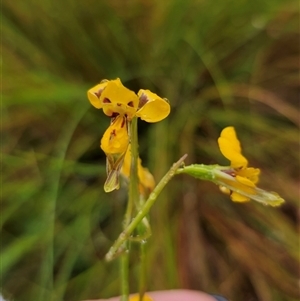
[137,298]
[152,108]
[127,162]
[117,99]
[236,197]
[245,181]
[95,93]
[230,148]
[236,183]
[115,139]
[250,173]
[145,177]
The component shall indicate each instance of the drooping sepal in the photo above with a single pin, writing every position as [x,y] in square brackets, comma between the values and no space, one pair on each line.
[114,164]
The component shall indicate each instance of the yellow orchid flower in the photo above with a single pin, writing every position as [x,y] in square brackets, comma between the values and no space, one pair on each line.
[238,180]
[115,99]
[146,179]
[122,105]
[245,177]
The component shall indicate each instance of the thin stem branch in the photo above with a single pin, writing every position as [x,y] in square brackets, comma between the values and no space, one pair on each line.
[116,247]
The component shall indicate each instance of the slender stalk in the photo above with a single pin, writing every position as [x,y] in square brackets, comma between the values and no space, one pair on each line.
[117,246]
[142,278]
[124,273]
[133,199]
[133,194]
[134,180]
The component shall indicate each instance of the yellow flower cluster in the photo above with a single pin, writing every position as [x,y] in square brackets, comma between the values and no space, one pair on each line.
[122,105]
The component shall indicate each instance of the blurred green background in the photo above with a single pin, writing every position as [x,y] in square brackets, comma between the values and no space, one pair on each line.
[219,63]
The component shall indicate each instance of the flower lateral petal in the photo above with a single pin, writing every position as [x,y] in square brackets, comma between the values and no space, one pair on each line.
[94,94]
[152,108]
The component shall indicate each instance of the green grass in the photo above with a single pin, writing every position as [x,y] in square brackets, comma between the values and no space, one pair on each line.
[219,63]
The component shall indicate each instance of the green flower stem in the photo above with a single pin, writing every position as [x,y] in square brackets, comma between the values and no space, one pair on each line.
[118,245]
[133,198]
[143,272]
[143,232]
[134,180]
[133,195]
[124,273]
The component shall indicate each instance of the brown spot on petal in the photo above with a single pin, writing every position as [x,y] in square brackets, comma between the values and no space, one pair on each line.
[112,135]
[98,93]
[114,115]
[123,122]
[143,100]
